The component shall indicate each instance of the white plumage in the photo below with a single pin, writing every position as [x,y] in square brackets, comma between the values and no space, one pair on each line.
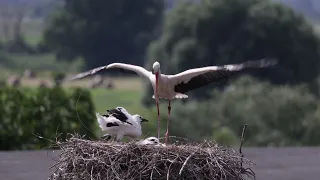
[150,141]
[118,129]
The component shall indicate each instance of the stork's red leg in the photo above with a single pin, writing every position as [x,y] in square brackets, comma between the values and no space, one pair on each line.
[169,111]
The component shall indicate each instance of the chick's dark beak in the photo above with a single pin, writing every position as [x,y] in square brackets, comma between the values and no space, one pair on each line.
[144,120]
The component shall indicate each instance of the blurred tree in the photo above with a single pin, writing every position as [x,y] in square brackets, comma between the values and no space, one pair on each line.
[216,32]
[103,32]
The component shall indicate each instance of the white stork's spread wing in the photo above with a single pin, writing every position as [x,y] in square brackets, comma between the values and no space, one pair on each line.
[195,78]
[87,73]
[137,69]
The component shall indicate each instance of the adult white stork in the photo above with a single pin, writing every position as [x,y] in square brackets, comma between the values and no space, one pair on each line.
[175,86]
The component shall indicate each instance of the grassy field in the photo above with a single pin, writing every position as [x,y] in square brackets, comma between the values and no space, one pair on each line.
[106,99]
[127,91]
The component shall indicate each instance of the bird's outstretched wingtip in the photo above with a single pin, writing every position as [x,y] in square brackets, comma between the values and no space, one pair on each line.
[265,62]
[71,79]
[87,73]
[78,76]
[269,61]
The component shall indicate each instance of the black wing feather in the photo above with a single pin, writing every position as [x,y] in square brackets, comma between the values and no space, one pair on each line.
[203,79]
[223,73]
[112,124]
[119,115]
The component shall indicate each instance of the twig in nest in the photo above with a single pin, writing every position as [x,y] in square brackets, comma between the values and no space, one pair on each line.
[242,140]
[185,163]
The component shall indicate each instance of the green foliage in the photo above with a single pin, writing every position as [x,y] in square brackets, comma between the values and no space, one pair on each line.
[103,31]
[26,114]
[216,32]
[276,116]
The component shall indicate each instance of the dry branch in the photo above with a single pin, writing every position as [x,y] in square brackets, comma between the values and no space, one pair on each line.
[242,141]
[85,159]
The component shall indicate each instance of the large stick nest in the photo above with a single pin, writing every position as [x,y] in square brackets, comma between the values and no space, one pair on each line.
[92,160]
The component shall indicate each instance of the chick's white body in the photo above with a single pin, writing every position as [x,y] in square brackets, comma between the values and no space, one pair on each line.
[119,129]
[151,141]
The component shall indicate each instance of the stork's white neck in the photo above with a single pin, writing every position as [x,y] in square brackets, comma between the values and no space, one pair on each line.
[159,72]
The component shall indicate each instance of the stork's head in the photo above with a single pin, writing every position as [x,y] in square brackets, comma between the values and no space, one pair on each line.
[156,67]
[152,140]
[139,118]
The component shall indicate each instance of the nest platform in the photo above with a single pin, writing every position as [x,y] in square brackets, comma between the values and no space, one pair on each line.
[82,159]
